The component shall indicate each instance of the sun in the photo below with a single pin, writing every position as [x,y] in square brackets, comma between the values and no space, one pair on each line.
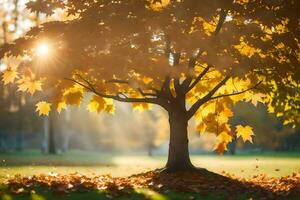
[42,49]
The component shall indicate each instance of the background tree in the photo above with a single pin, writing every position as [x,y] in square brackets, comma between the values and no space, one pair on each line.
[192,58]
[270,134]
[13,23]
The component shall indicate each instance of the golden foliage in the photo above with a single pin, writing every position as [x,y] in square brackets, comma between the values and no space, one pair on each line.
[141,106]
[27,84]
[98,104]
[9,76]
[245,132]
[43,108]
[73,95]
[158,5]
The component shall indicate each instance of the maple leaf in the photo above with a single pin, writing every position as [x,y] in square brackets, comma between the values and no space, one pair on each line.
[31,86]
[201,128]
[224,115]
[158,5]
[209,108]
[73,96]
[34,86]
[259,97]
[227,112]
[98,104]
[147,80]
[224,137]
[9,76]
[43,108]
[220,148]
[60,106]
[246,132]
[141,106]
[110,108]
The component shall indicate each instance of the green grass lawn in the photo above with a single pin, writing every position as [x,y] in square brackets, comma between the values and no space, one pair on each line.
[89,163]
[134,194]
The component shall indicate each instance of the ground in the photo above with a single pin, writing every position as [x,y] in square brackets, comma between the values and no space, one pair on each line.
[92,167]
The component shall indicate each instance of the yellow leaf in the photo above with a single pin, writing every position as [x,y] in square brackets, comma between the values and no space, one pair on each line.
[245,132]
[210,107]
[245,49]
[31,86]
[227,112]
[220,148]
[172,88]
[110,109]
[224,115]
[158,5]
[259,97]
[224,137]
[73,96]
[43,108]
[141,106]
[34,86]
[9,76]
[98,104]
[60,106]
[147,80]
[201,128]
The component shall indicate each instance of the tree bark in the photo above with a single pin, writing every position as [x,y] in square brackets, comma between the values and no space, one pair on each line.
[178,158]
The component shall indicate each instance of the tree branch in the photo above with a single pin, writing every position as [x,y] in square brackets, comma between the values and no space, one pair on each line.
[236,93]
[146,93]
[196,81]
[192,63]
[222,18]
[206,98]
[165,89]
[118,97]
[117,81]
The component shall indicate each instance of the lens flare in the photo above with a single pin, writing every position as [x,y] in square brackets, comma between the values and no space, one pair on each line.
[42,49]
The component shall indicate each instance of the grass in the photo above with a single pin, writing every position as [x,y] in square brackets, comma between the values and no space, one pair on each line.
[132,194]
[91,163]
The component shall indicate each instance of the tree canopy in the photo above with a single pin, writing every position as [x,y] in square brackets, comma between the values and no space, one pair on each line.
[196,57]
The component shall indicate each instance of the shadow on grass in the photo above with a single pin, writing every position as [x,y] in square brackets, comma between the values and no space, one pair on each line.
[125,194]
[151,185]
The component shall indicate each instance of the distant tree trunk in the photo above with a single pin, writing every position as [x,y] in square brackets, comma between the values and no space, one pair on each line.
[19,140]
[2,142]
[44,147]
[150,148]
[178,158]
[66,140]
[51,137]
[20,129]
[232,147]
[67,131]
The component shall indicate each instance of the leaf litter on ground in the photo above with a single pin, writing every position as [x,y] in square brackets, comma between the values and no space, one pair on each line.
[200,182]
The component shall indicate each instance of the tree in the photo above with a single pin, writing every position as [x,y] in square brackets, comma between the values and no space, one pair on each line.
[192,58]
[10,21]
[262,122]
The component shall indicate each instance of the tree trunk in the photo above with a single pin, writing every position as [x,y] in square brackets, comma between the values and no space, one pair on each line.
[20,129]
[150,147]
[178,158]
[19,140]
[51,142]
[232,147]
